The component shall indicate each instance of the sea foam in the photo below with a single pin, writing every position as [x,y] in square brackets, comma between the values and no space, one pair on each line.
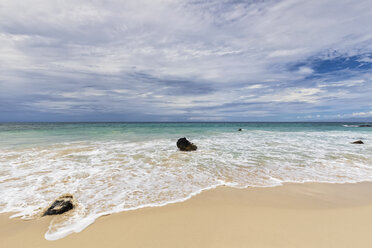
[110,176]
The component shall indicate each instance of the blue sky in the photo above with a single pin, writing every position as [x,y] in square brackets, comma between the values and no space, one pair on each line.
[195,60]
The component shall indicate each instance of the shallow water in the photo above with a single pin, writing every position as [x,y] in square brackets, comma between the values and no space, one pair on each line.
[113,167]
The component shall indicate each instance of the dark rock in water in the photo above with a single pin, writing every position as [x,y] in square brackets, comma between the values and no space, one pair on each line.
[365,125]
[63,204]
[184,145]
[240,129]
[358,142]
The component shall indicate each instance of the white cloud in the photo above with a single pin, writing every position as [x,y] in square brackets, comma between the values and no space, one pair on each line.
[343,83]
[207,118]
[285,53]
[308,95]
[363,114]
[305,70]
[117,52]
[178,38]
[255,86]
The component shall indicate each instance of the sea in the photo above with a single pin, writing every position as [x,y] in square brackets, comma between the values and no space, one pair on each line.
[115,167]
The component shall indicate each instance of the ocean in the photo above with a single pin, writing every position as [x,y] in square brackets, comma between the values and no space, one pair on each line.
[114,167]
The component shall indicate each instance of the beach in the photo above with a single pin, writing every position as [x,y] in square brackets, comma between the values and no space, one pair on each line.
[269,185]
[293,215]
[185,124]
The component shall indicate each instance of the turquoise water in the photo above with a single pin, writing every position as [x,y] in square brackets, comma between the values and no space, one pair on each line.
[113,167]
[16,134]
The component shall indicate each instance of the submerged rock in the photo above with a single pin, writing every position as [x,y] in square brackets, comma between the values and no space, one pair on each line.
[365,125]
[358,142]
[63,204]
[184,145]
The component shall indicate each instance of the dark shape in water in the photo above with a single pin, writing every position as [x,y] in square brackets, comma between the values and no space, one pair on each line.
[184,145]
[240,129]
[358,142]
[63,204]
[365,125]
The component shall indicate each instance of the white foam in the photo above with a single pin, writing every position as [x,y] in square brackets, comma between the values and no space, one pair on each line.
[350,125]
[112,176]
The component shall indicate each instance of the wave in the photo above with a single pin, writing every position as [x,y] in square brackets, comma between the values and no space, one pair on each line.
[112,176]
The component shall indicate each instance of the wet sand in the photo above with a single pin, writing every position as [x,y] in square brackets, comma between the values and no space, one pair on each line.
[293,215]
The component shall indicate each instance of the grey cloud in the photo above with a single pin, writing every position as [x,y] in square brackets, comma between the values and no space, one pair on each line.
[179,59]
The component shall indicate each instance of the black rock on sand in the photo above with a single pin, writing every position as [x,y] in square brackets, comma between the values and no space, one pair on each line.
[63,204]
[184,145]
[357,142]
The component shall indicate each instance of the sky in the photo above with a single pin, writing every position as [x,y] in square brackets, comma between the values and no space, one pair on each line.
[178,60]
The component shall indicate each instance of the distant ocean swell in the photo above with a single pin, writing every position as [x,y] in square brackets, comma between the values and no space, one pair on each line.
[111,175]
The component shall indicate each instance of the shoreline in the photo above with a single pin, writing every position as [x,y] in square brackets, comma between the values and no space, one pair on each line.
[291,215]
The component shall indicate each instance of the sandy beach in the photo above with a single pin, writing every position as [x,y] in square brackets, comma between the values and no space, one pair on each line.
[185,124]
[293,215]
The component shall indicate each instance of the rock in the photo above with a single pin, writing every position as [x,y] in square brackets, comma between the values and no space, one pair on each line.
[358,142]
[365,125]
[240,129]
[63,204]
[184,145]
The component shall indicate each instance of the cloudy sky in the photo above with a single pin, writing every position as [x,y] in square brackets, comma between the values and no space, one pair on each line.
[185,60]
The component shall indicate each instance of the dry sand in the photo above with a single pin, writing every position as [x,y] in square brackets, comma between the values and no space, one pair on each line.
[293,215]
